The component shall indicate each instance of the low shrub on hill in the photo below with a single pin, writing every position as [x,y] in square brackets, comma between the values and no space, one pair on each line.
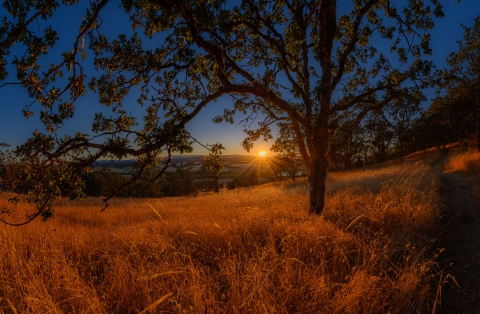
[103,183]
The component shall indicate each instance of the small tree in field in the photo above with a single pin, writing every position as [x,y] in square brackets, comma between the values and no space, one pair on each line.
[288,158]
[381,135]
[354,146]
[297,61]
[401,115]
[213,165]
[179,183]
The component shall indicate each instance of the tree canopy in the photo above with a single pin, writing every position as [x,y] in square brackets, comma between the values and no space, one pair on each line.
[463,77]
[287,159]
[213,165]
[297,61]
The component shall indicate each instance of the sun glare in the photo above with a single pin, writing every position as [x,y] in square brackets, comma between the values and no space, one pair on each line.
[262,153]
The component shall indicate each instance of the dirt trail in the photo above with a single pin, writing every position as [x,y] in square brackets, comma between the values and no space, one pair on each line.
[461,238]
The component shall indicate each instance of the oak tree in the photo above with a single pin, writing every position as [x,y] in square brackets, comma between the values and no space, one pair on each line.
[401,114]
[380,137]
[463,76]
[288,158]
[301,60]
[213,164]
[450,118]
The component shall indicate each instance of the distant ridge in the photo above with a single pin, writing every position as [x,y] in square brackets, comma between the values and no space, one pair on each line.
[175,159]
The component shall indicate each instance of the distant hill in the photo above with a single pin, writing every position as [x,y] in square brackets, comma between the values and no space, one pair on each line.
[116,163]
[175,159]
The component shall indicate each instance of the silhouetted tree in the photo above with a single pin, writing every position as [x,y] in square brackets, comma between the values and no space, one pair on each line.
[465,71]
[179,183]
[213,165]
[381,134]
[288,158]
[102,183]
[296,60]
[401,115]
[353,147]
[450,118]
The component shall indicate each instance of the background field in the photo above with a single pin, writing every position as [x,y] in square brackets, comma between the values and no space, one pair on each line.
[246,250]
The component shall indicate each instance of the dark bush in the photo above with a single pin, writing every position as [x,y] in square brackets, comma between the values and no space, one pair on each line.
[179,183]
[105,182]
[206,185]
[144,188]
[244,180]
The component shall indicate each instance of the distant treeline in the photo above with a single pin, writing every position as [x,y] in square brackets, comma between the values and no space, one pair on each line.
[105,183]
[181,182]
[402,130]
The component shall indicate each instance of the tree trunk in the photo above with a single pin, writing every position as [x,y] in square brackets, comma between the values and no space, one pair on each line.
[401,150]
[217,189]
[366,158]
[318,174]
[478,125]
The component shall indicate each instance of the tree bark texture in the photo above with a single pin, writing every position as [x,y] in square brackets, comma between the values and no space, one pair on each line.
[478,124]
[318,173]
[316,179]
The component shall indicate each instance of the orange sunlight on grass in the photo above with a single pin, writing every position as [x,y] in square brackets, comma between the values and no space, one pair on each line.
[466,162]
[244,250]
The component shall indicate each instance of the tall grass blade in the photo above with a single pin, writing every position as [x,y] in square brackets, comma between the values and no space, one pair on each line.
[14,310]
[152,306]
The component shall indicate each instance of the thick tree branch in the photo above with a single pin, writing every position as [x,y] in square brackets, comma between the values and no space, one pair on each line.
[353,42]
[360,98]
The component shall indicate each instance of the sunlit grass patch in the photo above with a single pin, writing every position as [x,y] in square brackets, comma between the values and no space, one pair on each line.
[468,165]
[243,250]
[465,162]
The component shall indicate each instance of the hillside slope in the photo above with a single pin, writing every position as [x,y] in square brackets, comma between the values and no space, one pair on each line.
[461,235]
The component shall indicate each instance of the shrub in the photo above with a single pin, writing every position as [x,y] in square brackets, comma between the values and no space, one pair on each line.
[103,183]
[179,183]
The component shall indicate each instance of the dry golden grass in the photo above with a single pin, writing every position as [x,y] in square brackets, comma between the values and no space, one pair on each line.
[253,250]
[467,164]
[428,156]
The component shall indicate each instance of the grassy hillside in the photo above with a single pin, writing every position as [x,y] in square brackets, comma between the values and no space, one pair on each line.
[467,164]
[250,250]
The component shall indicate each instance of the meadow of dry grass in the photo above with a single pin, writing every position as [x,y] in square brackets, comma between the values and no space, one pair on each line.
[253,250]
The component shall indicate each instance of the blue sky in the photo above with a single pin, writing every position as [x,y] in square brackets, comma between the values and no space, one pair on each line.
[15,130]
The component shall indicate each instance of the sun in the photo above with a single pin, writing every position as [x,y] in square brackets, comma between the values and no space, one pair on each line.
[262,153]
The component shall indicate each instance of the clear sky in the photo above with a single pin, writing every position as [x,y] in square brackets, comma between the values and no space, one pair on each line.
[15,130]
